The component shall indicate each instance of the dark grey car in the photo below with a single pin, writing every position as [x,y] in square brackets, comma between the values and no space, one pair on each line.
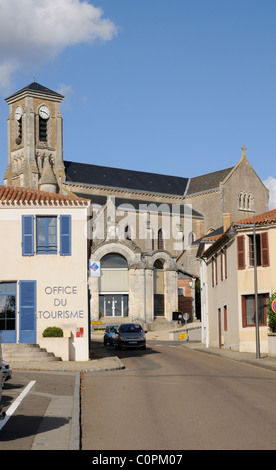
[130,335]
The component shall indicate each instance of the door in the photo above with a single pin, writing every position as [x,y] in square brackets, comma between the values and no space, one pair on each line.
[115,305]
[27,312]
[8,312]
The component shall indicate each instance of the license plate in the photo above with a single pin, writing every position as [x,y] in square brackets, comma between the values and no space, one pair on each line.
[133,342]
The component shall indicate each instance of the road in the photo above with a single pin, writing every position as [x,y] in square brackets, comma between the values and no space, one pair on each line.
[43,416]
[169,397]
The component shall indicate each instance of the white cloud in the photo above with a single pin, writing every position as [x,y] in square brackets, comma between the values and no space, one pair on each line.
[33,30]
[270,183]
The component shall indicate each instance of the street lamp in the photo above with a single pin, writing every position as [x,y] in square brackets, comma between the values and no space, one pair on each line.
[232,231]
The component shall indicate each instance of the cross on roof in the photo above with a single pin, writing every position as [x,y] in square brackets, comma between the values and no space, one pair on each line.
[243,150]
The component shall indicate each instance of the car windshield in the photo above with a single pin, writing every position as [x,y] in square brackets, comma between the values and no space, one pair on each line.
[131,328]
[113,329]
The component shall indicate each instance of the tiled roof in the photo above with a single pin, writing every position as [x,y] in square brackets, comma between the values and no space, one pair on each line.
[266,218]
[261,219]
[13,196]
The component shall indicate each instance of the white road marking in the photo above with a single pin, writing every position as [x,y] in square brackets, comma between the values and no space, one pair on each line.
[16,403]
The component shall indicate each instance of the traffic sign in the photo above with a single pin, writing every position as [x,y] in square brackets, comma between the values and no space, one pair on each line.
[95,269]
[273,305]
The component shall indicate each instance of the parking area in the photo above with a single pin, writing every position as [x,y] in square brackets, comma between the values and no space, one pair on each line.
[40,411]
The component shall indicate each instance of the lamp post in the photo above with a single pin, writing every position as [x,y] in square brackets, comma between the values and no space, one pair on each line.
[232,231]
[256,293]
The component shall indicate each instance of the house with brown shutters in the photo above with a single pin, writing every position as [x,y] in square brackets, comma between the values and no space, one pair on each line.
[228,283]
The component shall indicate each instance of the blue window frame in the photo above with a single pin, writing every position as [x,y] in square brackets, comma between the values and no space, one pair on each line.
[46,235]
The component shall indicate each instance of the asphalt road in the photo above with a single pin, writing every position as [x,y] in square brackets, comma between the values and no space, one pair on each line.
[43,416]
[169,397]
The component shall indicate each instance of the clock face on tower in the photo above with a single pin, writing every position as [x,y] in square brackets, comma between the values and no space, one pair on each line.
[18,113]
[44,112]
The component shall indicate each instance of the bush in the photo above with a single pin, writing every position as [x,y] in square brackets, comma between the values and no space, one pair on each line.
[271,315]
[52,332]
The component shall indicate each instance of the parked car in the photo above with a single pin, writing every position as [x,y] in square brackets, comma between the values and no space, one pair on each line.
[130,335]
[109,334]
[6,372]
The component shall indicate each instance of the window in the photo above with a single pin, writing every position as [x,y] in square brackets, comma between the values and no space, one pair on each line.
[7,306]
[246,201]
[262,250]
[18,139]
[225,317]
[113,299]
[42,129]
[160,241]
[41,231]
[214,270]
[127,233]
[46,235]
[248,309]
[158,282]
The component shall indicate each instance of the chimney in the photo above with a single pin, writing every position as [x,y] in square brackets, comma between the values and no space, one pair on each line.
[227,219]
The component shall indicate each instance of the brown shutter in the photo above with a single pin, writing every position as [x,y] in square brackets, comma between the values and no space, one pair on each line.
[264,249]
[241,252]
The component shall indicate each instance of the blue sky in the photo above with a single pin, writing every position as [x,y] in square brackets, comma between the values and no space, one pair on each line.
[167,86]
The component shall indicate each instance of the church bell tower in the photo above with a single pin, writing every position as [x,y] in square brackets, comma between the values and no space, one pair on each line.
[35,139]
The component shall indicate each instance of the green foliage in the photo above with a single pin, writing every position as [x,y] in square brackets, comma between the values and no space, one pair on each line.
[52,332]
[271,315]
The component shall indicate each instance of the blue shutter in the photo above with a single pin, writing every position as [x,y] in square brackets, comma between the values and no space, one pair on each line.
[65,235]
[27,311]
[27,235]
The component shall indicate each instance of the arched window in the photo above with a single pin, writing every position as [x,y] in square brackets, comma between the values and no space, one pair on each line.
[191,238]
[113,261]
[160,241]
[128,233]
[113,301]
[158,283]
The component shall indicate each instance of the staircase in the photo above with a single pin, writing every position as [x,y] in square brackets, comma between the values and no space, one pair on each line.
[22,352]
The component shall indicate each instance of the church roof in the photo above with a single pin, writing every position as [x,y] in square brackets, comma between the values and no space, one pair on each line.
[36,88]
[208,181]
[125,179]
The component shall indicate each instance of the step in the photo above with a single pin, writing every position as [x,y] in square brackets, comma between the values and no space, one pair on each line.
[26,352]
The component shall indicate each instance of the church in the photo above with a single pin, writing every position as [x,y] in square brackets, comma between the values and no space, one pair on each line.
[144,227]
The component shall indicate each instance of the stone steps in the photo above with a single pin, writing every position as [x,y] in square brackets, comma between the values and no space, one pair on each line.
[20,352]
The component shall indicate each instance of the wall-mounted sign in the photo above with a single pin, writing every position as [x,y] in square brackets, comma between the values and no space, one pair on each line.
[95,269]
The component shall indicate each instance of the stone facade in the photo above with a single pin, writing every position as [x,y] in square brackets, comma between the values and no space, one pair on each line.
[144,217]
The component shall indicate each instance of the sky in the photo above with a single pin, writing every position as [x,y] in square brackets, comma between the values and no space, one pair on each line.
[174,87]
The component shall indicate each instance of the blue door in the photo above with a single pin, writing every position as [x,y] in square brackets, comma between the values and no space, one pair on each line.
[8,312]
[27,312]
